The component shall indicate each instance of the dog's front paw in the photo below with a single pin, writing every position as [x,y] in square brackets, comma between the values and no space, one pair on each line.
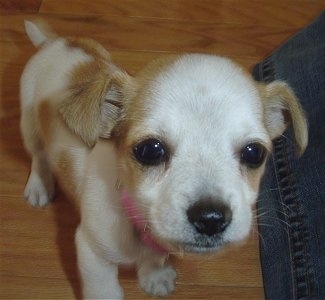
[158,282]
[39,191]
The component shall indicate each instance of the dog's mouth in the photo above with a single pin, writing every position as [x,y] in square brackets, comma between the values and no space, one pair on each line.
[203,244]
[195,246]
[196,243]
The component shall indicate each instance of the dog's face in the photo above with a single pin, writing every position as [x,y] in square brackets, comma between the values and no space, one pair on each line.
[193,151]
[192,137]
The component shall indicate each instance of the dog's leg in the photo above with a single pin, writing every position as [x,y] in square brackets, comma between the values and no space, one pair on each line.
[99,277]
[40,188]
[155,276]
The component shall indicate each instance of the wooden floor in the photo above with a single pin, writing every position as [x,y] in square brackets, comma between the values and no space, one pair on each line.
[37,252]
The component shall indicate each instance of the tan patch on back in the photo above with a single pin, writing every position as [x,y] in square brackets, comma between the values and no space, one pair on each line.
[89,46]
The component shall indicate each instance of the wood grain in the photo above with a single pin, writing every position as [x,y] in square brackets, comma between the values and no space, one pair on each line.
[37,252]
[159,35]
[258,12]
[17,6]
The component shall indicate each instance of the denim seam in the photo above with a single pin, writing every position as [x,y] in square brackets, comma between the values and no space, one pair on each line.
[267,70]
[294,220]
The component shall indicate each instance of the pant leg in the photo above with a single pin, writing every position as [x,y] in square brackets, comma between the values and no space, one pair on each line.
[291,205]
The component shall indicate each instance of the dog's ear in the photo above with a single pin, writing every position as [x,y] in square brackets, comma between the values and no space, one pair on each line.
[282,107]
[93,103]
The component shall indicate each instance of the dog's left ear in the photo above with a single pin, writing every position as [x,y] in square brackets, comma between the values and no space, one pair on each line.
[282,107]
[93,104]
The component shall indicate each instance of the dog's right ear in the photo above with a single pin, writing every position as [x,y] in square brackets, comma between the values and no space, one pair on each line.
[282,107]
[94,102]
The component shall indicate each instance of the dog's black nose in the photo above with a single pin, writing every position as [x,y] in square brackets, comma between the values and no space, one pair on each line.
[209,218]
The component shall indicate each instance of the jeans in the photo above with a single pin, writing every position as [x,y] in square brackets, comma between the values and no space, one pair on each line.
[291,205]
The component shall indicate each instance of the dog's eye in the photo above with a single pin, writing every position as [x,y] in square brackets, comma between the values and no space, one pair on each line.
[253,155]
[150,152]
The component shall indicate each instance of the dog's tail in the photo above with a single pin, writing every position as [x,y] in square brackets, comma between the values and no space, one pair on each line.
[38,32]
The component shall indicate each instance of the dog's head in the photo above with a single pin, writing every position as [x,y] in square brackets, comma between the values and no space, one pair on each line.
[192,135]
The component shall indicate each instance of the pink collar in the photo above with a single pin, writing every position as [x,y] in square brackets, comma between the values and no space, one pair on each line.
[139,223]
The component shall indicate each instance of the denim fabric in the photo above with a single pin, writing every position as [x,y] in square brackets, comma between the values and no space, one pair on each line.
[291,205]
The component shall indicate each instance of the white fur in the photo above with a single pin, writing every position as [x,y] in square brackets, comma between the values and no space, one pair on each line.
[205,108]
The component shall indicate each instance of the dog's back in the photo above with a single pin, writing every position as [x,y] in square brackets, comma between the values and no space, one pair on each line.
[55,72]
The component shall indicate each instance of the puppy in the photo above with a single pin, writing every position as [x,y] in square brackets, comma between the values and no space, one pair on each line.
[169,160]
